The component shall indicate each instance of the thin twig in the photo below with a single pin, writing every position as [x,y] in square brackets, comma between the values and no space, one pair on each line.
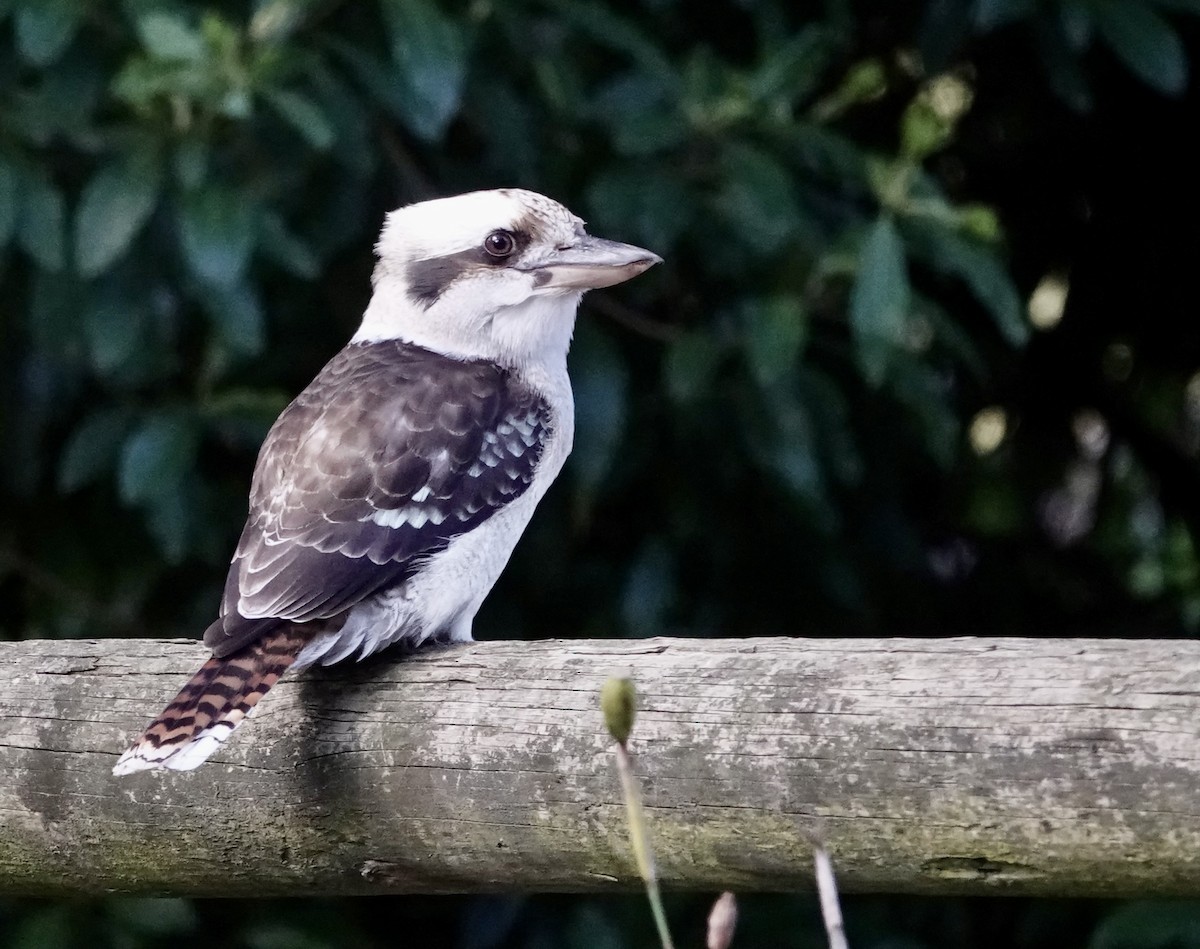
[633,320]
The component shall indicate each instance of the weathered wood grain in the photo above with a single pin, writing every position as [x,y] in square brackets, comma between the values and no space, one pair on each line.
[936,766]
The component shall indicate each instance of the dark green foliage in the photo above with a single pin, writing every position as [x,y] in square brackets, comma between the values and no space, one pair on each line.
[780,430]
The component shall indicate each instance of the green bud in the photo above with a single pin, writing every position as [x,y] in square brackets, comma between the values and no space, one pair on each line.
[979,221]
[618,702]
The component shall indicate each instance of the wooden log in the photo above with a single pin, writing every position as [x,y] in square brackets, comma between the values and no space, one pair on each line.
[1064,767]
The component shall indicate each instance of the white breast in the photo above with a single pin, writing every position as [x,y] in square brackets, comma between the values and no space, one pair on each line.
[442,598]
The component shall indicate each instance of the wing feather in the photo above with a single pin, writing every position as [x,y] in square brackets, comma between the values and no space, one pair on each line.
[388,455]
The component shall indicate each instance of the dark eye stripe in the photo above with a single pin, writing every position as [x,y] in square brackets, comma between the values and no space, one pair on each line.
[428,279]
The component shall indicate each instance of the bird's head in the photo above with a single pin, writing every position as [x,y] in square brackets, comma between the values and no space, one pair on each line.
[497,274]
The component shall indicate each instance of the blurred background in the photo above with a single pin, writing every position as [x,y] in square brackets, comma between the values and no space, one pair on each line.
[924,357]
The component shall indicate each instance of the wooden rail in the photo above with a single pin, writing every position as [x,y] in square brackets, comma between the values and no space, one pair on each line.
[933,766]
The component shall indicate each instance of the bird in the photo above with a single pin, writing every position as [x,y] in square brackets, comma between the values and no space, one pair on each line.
[389,494]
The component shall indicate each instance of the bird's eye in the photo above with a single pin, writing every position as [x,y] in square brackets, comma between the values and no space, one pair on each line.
[500,244]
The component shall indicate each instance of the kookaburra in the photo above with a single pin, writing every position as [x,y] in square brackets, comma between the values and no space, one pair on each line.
[389,495]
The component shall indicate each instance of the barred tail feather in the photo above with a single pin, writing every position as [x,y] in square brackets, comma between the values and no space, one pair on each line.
[213,703]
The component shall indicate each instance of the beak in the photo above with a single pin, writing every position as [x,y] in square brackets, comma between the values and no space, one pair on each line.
[590,263]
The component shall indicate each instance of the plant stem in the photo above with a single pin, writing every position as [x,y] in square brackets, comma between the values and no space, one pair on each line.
[640,841]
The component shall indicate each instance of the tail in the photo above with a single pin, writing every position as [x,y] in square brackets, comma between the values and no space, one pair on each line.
[213,703]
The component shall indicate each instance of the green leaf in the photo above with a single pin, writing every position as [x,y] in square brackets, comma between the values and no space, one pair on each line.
[279,244]
[190,161]
[304,115]
[650,589]
[922,130]
[430,51]
[830,412]
[643,114]
[243,416]
[154,916]
[1061,64]
[926,395]
[8,202]
[173,520]
[92,449]
[114,206]
[691,364]
[944,28]
[1144,924]
[644,205]
[217,234]
[115,329]
[781,435]
[601,382]
[1145,42]
[879,300]
[775,331]
[169,36]
[156,457]
[758,198]
[793,69]
[979,265]
[44,28]
[611,30]
[992,14]
[238,318]
[42,220]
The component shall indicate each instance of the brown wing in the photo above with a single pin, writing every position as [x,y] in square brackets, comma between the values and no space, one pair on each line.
[388,455]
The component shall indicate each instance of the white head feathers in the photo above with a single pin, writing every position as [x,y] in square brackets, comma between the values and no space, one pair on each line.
[490,274]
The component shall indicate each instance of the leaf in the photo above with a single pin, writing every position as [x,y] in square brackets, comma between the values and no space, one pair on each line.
[217,234]
[793,69]
[115,204]
[243,416]
[879,300]
[167,35]
[650,589]
[948,251]
[643,205]
[304,115]
[52,314]
[781,435]
[992,14]
[926,394]
[41,225]
[237,315]
[690,366]
[758,198]
[430,51]
[1144,924]
[156,457]
[643,114]
[156,916]
[609,29]
[8,202]
[44,28]
[115,329]
[172,519]
[92,449]
[1061,64]
[285,248]
[830,412]
[775,331]
[944,28]
[922,130]
[1145,42]
[601,383]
